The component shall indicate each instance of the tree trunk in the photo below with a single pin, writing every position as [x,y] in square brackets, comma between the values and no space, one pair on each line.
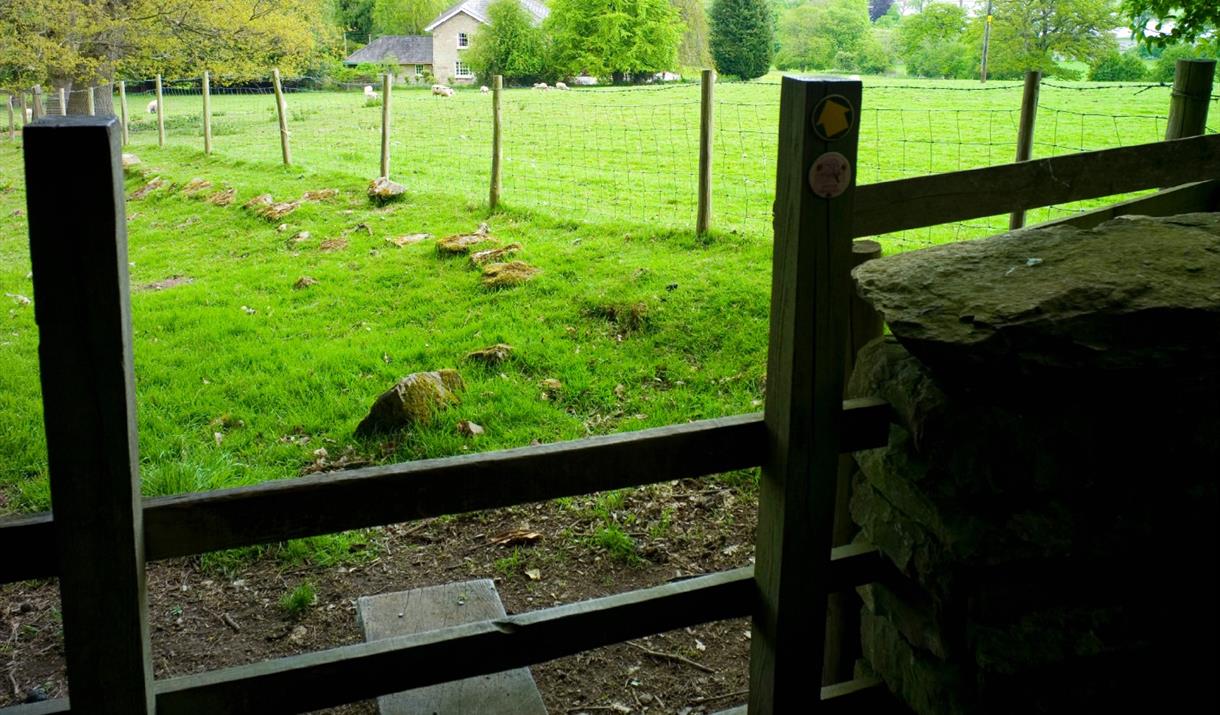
[617,77]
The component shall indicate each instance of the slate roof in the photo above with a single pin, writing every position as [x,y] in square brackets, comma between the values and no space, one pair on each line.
[478,10]
[407,49]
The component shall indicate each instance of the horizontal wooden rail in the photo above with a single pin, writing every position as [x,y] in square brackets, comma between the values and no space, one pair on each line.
[356,672]
[1189,198]
[326,503]
[963,195]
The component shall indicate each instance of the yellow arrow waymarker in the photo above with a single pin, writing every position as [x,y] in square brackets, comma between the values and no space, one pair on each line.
[833,117]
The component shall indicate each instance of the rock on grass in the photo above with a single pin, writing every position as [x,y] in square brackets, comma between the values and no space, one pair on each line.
[505,275]
[222,198]
[382,191]
[493,355]
[461,243]
[493,255]
[412,401]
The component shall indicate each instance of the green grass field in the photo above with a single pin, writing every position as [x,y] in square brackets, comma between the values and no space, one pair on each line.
[240,378]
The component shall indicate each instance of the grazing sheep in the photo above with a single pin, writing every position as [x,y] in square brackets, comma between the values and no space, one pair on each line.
[560,85]
[29,115]
[441,90]
[484,89]
[152,107]
[369,93]
[541,85]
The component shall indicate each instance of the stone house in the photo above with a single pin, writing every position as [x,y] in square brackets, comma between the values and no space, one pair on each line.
[440,52]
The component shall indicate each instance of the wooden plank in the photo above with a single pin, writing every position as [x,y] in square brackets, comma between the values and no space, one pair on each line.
[810,293]
[81,305]
[452,604]
[964,195]
[1192,93]
[190,524]
[1189,198]
[703,217]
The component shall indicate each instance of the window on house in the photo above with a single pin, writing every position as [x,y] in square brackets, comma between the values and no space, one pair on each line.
[463,70]
[419,70]
[463,40]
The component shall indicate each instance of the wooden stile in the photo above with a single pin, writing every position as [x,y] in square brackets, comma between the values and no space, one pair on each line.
[703,218]
[79,261]
[1025,132]
[207,112]
[387,86]
[281,110]
[1192,94]
[808,336]
[160,114]
[497,143]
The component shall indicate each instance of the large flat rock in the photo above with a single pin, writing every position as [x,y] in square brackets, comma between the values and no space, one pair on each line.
[1133,302]
[426,609]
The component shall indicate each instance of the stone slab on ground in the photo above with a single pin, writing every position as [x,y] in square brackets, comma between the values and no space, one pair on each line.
[424,609]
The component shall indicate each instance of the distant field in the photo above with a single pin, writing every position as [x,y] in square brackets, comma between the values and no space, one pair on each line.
[600,189]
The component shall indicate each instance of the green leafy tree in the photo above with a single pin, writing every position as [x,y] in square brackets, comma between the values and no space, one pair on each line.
[355,17]
[933,43]
[614,38]
[1118,67]
[1167,64]
[510,45]
[824,34]
[404,17]
[742,41]
[1036,34]
[693,50]
[1191,20]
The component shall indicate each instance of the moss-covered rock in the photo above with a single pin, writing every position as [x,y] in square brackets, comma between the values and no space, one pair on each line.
[504,275]
[412,401]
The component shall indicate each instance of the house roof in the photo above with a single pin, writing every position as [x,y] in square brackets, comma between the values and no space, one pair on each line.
[407,49]
[478,10]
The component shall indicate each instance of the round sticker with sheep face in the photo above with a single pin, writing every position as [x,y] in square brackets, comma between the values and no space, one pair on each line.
[830,175]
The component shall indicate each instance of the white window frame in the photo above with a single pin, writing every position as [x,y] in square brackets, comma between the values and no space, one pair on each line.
[461,70]
[463,40]
[419,70]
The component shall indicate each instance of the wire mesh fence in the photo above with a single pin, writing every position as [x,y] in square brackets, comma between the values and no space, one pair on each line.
[612,154]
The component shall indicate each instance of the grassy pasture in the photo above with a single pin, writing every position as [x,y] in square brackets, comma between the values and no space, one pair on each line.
[241,378]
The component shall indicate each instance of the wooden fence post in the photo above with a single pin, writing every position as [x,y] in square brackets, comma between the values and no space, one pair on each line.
[24,108]
[815,175]
[1025,132]
[703,218]
[281,109]
[497,143]
[63,102]
[39,110]
[1192,89]
[89,103]
[12,121]
[843,609]
[387,85]
[160,114]
[207,112]
[79,260]
[123,110]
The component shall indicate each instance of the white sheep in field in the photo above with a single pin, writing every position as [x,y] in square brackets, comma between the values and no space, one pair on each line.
[541,85]
[441,90]
[368,92]
[484,89]
[560,85]
[152,107]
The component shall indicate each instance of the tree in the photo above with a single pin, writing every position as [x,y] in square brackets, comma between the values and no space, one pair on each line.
[693,52]
[510,45]
[742,37]
[1118,67]
[613,38]
[1036,34]
[878,9]
[1191,20]
[1167,64]
[404,17]
[828,34]
[355,17]
[933,43]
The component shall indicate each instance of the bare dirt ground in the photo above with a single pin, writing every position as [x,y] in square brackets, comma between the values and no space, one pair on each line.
[203,617]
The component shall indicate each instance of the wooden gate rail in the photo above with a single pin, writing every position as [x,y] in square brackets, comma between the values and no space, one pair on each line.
[964,195]
[189,524]
[356,672]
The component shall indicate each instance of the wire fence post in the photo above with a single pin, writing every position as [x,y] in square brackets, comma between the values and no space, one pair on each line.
[497,143]
[1025,132]
[703,218]
[123,110]
[280,108]
[12,122]
[387,85]
[1192,89]
[89,103]
[39,109]
[25,111]
[207,113]
[160,114]
[63,102]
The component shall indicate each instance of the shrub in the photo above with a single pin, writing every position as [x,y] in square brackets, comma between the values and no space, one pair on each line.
[1116,67]
[1167,63]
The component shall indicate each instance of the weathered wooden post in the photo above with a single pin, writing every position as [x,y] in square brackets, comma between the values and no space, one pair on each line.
[90,106]
[160,114]
[79,260]
[123,110]
[1192,89]
[63,102]
[497,143]
[24,109]
[815,179]
[207,112]
[12,121]
[39,110]
[703,217]
[843,609]
[387,84]
[1025,132]
[285,149]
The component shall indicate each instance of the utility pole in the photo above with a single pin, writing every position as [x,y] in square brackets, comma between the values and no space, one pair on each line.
[986,42]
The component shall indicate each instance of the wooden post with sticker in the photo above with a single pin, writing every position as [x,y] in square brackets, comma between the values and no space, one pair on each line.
[810,291]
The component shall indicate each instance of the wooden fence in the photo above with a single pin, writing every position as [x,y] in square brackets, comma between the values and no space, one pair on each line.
[101,532]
